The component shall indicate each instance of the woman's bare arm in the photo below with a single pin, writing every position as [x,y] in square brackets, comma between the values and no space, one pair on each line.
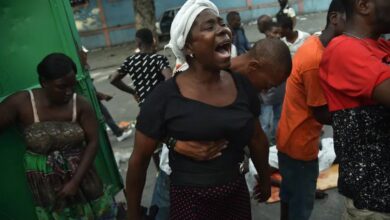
[259,150]
[144,147]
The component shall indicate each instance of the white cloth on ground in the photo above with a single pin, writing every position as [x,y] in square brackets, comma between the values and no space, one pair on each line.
[326,157]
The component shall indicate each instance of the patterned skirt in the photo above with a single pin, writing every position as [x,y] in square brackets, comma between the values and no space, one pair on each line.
[47,174]
[228,202]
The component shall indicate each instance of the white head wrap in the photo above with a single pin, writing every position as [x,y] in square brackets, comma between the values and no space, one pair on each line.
[182,24]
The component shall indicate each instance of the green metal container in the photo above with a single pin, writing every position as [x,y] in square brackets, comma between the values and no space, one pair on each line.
[29,31]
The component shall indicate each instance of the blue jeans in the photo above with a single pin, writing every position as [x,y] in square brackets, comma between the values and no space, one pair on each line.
[297,190]
[161,196]
[269,119]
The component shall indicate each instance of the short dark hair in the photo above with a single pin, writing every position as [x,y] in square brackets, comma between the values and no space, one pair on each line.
[274,50]
[55,66]
[231,15]
[271,25]
[145,36]
[335,6]
[286,22]
[348,6]
[262,22]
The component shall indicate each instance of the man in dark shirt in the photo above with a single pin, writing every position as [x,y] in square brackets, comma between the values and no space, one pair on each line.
[355,76]
[239,38]
[120,133]
[272,99]
[146,68]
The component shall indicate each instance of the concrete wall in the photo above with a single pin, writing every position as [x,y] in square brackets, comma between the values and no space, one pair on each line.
[105,23]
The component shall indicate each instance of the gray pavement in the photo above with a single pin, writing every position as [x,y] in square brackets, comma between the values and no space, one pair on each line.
[124,108]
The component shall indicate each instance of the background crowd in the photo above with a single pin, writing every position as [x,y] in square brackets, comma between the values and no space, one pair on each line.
[226,101]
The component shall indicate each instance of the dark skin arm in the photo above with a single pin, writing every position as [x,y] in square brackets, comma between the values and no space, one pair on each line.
[322,114]
[88,122]
[144,147]
[102,96]
[259,152]
[118,83]
[381,93]
[9,109]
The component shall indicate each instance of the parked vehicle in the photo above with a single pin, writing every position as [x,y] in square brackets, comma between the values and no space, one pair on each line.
[163,26]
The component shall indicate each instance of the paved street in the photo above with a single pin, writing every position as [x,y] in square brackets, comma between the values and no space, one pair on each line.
[123,108]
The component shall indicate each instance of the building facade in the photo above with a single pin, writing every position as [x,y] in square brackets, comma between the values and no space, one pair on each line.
[105,23]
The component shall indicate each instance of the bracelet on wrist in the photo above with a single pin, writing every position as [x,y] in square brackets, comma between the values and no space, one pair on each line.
[171,143]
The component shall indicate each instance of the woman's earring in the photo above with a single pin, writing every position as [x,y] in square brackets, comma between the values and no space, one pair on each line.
[192,55]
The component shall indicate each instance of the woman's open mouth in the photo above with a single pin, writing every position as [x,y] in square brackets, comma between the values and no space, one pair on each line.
[224,49]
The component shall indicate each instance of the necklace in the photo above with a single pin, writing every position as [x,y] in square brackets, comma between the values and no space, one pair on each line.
[356,37]
[353,35]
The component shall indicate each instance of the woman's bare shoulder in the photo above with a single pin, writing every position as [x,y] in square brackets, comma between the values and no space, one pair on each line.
[83,104]
[17,98]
